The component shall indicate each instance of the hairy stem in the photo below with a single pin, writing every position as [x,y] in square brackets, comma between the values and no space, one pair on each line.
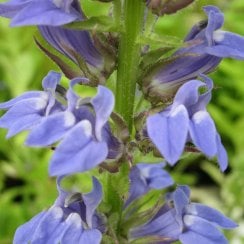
[128,58]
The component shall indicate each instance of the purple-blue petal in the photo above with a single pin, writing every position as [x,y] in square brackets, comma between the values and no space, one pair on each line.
[169,133]
[91,237]
[203,133]
[146,176]
[72,43]
[40,233]
[11,8]
[74,152]
[22,109]
[221,154]
[201,231]
[92,200]
[191,237]
[26,95]
[51,80]
[51,129]
[23,233]
[227,44]
[215,22]
[44,12]
[23,123]
[164,225]
[210,214]
[188,93]
[103,104]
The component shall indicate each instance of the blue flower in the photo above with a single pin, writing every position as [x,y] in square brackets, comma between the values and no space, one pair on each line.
[75,44]
[187,120]
[28,109]
[71,219]
[80,132]
[146,176]
[81,125]
[190,223]
[44,12]
[206,46]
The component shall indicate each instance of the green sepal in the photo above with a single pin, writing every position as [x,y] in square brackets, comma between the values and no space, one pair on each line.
[154,55]
[121,128]
[158,41]
[95,23]
[66,66]
[141,210]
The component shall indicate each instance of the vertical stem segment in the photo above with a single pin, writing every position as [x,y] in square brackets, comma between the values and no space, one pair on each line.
[129,57]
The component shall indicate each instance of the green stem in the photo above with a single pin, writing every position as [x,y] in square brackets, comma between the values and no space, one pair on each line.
[117,12]
[129,58]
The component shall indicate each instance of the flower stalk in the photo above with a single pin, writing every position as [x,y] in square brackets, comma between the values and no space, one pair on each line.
[128,58]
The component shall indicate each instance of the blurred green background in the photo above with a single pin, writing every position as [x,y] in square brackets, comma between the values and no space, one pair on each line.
[26,189]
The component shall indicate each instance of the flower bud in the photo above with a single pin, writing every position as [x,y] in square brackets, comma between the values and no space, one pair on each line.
[161,7]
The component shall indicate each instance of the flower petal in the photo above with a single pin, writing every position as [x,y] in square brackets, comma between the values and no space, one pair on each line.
[26,95]
[22,234]
[21,110]
[51,129]
[203,133]
[221,154]
[92,200]
[51,80]
[227,45]
[201,231]
[11,8]
[169,133]
[164,225]
[43,13]
[215,21]
[23,123]
[73,44]
[210,214]
[103,104]
[188,93]
[78,152]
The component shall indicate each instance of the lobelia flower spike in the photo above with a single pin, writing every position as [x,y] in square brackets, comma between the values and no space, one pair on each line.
[146,176]
[187,120]
[190,223]
[71,219]
[80,133]
[44,12]
[27,110]
[207,45]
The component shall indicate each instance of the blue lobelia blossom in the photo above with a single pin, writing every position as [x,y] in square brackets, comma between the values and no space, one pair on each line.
[187,120]
[147,176]
[71,219]
[44,12]
[28,109]
[81,125]
[188,222]
[207,46]
[83,128]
